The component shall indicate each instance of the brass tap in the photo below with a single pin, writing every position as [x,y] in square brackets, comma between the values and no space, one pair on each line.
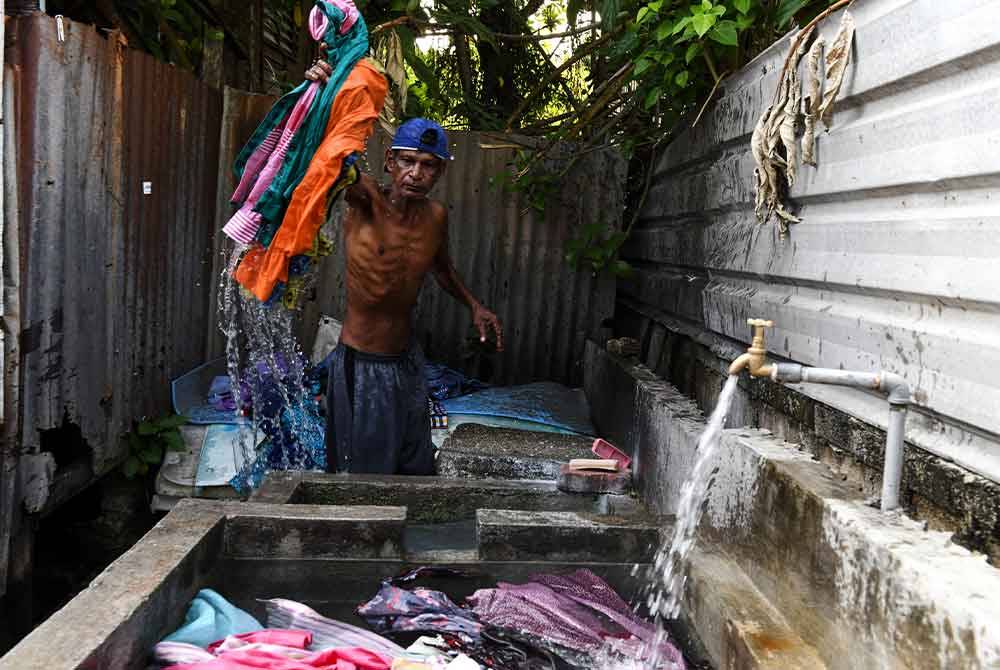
[756,357]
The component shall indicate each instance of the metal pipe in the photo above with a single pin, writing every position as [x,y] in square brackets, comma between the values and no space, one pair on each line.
[887,382]
[892,471]
[899,399]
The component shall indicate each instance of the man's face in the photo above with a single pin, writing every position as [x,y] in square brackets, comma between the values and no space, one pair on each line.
[414,173]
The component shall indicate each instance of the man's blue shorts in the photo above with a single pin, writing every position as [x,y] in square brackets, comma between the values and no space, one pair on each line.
[377,418]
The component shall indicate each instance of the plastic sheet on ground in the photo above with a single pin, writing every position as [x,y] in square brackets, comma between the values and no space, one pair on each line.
[189,393]
[541,406]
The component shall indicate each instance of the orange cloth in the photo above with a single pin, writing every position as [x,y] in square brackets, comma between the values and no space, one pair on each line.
[352,117]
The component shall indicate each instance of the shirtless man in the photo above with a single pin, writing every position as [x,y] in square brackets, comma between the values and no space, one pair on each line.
[377,414]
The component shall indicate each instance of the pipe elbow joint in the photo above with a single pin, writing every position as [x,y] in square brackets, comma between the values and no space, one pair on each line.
[896,387]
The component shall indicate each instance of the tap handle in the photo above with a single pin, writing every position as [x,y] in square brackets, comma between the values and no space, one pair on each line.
[758,330]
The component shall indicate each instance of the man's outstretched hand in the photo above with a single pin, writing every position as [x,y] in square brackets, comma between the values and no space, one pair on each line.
[320,71]
[485,320]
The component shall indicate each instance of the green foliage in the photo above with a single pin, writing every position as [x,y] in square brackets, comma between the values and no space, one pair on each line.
[171,30]
[149,440]
[596,248]
[536,182]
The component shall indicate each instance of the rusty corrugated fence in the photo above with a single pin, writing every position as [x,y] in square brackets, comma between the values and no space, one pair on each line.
[116,167]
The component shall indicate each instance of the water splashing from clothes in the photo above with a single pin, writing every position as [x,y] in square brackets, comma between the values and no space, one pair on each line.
[274,388]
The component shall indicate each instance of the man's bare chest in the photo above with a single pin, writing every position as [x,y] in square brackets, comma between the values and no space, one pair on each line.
[395,248]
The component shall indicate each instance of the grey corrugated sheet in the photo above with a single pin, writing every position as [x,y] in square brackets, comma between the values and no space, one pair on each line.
[511,260]
[897,262]
[113,282]
[8,296]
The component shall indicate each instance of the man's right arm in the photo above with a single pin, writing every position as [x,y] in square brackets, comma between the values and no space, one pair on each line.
[359,194]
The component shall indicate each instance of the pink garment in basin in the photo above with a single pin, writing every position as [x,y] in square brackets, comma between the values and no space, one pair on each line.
[341,658]
[298,639]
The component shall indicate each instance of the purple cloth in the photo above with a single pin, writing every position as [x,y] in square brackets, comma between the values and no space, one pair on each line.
[536,609]
[565,609]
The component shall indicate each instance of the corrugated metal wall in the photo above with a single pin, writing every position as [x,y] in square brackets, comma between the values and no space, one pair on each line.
[896,265]
[511,260]
[116,166]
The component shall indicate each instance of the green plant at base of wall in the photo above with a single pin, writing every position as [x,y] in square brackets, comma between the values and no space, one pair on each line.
[149,441]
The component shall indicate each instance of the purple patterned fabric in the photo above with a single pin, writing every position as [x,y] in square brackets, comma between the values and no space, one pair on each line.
[565,608]
[394,608]
[536,609]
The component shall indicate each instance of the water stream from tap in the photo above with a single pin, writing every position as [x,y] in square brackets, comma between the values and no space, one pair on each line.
[669,570]
[664,584]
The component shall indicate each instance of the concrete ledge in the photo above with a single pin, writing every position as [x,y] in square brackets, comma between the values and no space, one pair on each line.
[136,601]
[891,594]
[428,499]
[278,488]
[315,531]
[647,418]
[484,452]
[505,535]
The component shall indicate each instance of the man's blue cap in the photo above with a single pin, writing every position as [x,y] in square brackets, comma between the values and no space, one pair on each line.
[422,135]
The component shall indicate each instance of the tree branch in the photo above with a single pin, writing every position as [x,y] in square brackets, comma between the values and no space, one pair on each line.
[570,62]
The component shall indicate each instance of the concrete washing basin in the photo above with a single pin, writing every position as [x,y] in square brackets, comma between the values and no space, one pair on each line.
[332,555]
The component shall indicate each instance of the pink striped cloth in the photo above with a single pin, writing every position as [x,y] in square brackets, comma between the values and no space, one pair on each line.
[243,225]
[265,162]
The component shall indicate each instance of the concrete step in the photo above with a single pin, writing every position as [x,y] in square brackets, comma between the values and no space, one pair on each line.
[485,452]
[316,531]
[511,535]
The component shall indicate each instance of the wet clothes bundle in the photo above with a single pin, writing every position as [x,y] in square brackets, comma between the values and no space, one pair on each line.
[579,611]
[395,609]
[219,636]
[300,155]
[552,622]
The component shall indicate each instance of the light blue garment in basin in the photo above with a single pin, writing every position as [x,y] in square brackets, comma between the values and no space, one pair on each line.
[211,618]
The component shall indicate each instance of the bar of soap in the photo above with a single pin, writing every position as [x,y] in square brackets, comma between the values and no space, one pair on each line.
[592,481]
[604,464]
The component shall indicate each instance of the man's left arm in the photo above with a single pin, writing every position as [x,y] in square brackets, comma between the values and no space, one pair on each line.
[448,279]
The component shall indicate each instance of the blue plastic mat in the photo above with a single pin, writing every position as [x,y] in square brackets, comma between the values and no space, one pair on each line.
[543,404]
